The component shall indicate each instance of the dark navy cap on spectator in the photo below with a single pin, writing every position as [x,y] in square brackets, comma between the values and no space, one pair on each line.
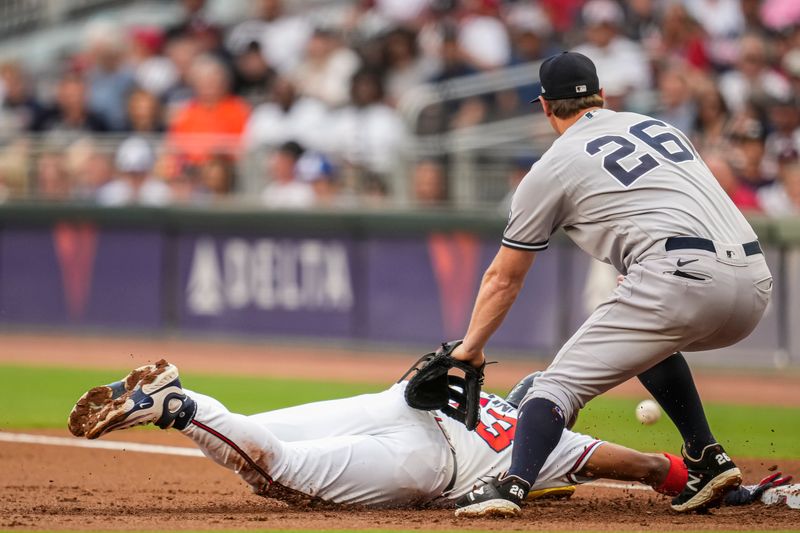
[568,75]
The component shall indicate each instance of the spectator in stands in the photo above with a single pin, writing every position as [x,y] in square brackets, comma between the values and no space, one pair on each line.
[195,19]
[282,38]
[70,114]
[482,36]
[679,38]
[368,134]
[406,67]
[285,190]
[675,106]
[621,63]
[214,119]
[253,77]
[287,116]
[135,183]
[743,196]
[782,197]
[753,80]
[144,113]
[326,71]
[723,23]
[318,171]
[52,180]
[429,183]
[20,108]
[181,52]
[153,72]
[747,155]
[784,139]
[91,174]
[711,123]
[531,33]
[218,177]
[110,79]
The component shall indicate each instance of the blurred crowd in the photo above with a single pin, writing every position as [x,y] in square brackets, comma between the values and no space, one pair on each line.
[292,111]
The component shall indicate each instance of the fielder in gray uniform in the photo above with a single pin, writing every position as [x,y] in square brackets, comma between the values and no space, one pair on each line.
[631,191]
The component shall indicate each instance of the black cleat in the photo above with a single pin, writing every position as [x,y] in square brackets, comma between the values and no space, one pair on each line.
[500,497]
[710,477]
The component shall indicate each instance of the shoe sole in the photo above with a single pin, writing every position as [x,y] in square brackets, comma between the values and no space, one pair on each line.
[713,492]
[117,412]
[93,400]
[498,508]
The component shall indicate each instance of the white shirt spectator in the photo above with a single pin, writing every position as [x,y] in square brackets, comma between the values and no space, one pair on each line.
[723,22]
[271,125]
[329,81]
[401,11]
[775,202]
[622,63]
[486,41]
[372,136]
[737,89]
[152,192]
[292,195]
[282,41]
[156,75]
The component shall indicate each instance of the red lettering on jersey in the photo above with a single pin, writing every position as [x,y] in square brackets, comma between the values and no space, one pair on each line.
[496,428]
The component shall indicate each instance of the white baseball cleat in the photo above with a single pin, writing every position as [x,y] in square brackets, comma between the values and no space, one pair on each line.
[150,394]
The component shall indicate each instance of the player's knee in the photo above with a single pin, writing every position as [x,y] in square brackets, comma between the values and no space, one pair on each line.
[562,396]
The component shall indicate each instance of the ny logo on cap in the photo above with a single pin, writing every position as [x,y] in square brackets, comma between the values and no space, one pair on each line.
[580,88]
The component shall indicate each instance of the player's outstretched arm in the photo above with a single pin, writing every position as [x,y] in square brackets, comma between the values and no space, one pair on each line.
[664,472]
[499,289]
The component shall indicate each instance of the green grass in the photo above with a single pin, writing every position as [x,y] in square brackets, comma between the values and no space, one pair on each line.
[41,397]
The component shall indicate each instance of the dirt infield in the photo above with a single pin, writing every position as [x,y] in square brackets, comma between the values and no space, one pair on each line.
[48,487]
[52,487]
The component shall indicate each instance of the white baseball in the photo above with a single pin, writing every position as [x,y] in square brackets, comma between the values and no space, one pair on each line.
[648,412]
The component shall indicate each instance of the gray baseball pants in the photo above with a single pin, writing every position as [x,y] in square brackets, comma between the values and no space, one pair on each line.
[652,314]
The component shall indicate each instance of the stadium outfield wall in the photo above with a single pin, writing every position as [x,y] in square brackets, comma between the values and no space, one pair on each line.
[407,277]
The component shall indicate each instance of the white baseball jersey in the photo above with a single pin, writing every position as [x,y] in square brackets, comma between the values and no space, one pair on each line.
[372,449]
[619,184]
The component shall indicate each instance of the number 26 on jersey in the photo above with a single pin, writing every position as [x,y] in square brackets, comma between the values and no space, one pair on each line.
[648,137]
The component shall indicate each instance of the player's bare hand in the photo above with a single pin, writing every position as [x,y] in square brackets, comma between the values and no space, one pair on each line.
[620,279]
[476,357]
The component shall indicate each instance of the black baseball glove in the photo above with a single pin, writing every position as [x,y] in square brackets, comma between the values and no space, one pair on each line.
[432,388]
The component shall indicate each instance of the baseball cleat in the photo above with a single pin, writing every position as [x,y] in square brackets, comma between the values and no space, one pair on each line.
[501,497]
[152,394]
[96,398]
[710,477]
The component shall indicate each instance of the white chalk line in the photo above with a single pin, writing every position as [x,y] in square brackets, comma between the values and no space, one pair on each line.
[183,451]
[27,438]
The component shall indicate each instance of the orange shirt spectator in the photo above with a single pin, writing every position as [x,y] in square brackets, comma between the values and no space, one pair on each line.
[214,120]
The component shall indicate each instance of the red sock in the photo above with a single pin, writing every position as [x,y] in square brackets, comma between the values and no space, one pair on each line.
[676,477]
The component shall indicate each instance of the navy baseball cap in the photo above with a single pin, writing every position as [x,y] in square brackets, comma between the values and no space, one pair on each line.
[568,75]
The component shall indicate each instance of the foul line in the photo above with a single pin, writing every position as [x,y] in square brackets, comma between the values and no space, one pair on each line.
[103,445]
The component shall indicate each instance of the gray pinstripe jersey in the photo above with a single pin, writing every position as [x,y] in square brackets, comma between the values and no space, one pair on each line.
[619,184]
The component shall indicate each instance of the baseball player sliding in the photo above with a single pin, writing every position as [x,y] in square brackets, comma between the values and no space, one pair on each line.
[631,191]
[372,449]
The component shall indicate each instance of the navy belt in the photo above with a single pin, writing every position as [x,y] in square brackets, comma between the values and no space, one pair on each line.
[698,243]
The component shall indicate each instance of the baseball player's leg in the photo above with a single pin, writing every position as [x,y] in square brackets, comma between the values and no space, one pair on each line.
[365,414]
[671,384]
[403,460]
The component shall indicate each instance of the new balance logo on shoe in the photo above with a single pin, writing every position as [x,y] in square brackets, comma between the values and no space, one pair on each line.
[692,483]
